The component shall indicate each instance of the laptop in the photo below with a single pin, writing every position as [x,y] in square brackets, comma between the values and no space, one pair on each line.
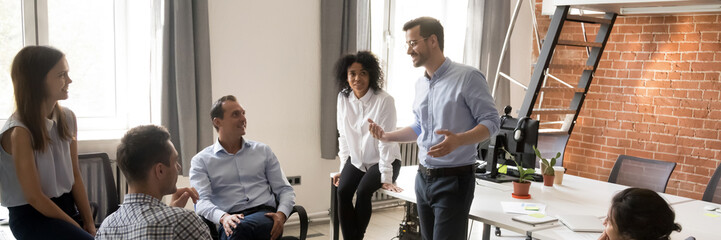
[582,223]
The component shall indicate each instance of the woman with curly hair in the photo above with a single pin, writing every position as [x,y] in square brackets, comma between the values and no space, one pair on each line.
[366,163]
[639,214]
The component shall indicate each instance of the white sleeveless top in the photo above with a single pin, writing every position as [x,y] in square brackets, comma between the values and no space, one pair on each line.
[54,165]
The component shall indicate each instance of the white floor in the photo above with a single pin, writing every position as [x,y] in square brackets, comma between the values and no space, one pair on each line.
[384,225]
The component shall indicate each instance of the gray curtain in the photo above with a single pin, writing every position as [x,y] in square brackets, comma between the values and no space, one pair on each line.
[186,96]
[487,25]
[339,35]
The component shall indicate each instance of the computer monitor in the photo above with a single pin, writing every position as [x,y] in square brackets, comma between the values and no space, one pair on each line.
[517,139]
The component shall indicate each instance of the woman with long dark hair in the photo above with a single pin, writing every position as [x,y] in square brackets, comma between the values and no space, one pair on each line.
[39,173]
[366,164]
[639,214]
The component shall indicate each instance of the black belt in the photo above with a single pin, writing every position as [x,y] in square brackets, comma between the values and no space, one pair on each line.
[255,209]
[443,172]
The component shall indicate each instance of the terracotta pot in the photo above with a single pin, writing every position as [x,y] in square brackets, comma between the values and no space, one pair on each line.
[548,180]
[521,189]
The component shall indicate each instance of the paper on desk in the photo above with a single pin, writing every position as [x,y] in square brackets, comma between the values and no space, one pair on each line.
[523,207]
[568,234]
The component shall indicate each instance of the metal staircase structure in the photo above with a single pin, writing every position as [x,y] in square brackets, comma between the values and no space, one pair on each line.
[552,140]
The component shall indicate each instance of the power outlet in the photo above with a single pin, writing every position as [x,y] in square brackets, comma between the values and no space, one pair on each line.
[294,180]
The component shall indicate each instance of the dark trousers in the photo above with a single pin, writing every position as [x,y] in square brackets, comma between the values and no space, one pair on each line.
[354,220]
[443,205]
[28,223]
[255,225]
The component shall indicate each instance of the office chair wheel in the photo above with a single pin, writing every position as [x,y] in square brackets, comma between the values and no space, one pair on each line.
[498,232]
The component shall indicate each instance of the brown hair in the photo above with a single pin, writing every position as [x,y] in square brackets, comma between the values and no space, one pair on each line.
[141,148]
[429,26]
[29,72]
[216,110]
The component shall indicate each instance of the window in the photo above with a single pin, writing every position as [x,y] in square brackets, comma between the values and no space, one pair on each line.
[388,43]
[113,58]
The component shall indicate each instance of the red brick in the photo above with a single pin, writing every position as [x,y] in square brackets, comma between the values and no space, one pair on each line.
[628,29]
[711,95]
[683,27]
[688,47]
[667,120]
[695,94]
[685,132]
[643,20]
[704,18]
[691,123]
[657,19]
[693,37]
[709,134]
[689,76]
[681,66]
[708,27]
[714,46]
[678,37]
[662,138]
[683,112]
[706,56]
[700,113]
[709,37]
[705,66]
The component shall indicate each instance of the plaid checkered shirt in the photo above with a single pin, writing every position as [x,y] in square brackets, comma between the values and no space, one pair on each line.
[142,216]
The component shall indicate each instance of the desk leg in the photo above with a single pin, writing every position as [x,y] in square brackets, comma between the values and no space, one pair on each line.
[486,232]
[334,233]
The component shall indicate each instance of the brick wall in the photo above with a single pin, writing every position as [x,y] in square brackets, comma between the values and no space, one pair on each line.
[656,94]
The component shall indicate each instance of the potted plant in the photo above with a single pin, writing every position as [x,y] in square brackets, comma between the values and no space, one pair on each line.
[547,167]
[523,184]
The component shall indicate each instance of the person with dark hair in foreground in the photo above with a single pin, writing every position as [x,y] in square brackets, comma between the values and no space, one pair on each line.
[149,162]
[453,111]
[366,164]
[639,214]
[240,183]
[40,180]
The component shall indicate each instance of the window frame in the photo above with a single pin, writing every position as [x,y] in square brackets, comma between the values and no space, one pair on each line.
[136,98]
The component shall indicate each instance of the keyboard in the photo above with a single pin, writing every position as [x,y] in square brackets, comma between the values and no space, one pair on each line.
[514,173]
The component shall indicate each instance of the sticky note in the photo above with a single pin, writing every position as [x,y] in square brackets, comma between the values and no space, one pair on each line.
[537,215]
[711,214]
[503,169]
[531,208]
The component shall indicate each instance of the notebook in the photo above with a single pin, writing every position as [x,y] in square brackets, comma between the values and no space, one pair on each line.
[534,219]
[582,223]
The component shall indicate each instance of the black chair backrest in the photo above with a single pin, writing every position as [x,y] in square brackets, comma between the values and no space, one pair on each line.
[99,184]
[713,189]
[641,172]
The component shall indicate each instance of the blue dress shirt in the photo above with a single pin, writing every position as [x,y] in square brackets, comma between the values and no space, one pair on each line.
[234,182]
[456,99]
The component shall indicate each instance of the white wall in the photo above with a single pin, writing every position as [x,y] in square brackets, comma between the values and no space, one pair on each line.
[521,48]
[267,53]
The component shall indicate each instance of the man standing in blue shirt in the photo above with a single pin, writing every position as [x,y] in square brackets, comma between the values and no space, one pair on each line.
[453,111]
[240,183]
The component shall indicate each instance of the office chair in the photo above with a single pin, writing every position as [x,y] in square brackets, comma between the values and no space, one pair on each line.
[713,189]
[302,215]
[641,172]
[100,184]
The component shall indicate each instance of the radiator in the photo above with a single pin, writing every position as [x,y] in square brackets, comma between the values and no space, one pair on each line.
[409,156]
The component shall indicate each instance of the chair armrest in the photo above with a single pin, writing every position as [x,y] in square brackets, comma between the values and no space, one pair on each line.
[303,216]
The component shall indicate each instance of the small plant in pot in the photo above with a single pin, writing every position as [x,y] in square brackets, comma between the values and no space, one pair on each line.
[523,184]
[547,167]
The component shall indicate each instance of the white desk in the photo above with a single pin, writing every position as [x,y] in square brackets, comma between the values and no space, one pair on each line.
[577,195]
[694,221]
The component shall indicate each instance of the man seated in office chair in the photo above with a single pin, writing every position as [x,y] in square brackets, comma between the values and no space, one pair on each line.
[240,182]
[149,162]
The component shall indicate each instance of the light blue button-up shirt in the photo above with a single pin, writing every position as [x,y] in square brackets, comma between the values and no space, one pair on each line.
[456,99]
[234,182]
